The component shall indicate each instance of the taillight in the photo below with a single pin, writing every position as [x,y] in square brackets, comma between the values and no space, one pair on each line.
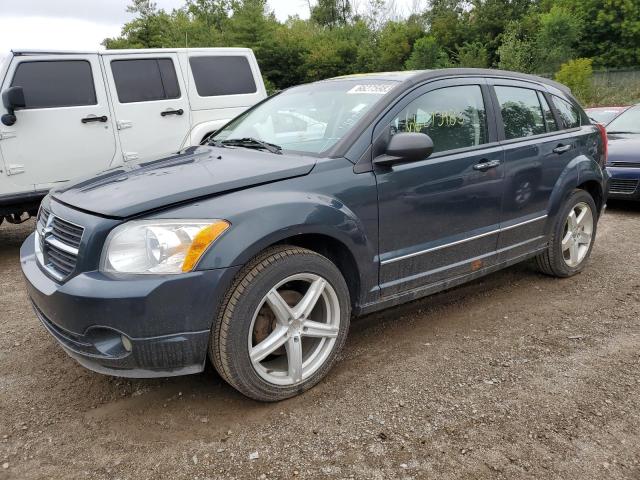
[605,144]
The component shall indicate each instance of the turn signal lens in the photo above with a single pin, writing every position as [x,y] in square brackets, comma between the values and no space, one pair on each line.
[201,242]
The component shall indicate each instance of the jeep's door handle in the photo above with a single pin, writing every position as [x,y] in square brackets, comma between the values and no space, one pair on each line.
[93,118]
[562,148]
[484,165]
[172,112]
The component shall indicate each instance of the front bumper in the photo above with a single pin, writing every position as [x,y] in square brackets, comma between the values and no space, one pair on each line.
[165,320]
[624,183]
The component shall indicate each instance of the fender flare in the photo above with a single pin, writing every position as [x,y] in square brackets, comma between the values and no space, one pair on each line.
[284,215]
[580,170]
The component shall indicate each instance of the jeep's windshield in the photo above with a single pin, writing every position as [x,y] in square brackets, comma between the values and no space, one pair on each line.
[627,122]
[4,60]
[310,118]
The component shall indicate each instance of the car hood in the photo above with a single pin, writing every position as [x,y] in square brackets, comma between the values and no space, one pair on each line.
[624,148]
[194,173]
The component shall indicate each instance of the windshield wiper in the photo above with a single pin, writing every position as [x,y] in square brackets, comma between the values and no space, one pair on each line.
[251,142]
[623,132]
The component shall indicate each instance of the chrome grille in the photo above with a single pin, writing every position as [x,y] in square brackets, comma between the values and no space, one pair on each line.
[625,164]
[57,243]
[623,185]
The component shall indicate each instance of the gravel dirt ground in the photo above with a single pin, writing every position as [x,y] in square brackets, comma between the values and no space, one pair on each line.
[516,375]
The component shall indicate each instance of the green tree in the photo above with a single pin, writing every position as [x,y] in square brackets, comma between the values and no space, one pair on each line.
[473,55]
[556,39]
[612,29]
[515,53]
[427,54]
[577,75]
[331,13]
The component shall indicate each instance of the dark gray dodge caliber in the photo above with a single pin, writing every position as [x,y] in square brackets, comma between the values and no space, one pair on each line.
[328,200]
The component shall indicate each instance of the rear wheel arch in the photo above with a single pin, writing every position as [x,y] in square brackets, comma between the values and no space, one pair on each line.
[593,188]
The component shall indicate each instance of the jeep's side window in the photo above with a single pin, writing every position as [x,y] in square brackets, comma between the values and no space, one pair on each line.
[454,117]
[145,79]
[222,75]
[57,83]
[521,112]
[569,115]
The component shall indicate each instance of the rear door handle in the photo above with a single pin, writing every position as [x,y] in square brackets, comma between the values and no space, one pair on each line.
[486,165]
[93,118]
[562,148]
[172,112]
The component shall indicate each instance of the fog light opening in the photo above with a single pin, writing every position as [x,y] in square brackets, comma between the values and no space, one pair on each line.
[126,343]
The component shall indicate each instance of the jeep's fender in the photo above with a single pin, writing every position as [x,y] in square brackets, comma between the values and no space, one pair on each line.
[199,131]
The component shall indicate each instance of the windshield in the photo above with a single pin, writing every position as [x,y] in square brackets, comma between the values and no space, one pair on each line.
[603,115]
[627,122]
[4,60]
[310,118]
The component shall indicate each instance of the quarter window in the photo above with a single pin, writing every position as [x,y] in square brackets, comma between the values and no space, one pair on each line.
[145,79]
[454,117]
[222,75]
[59,83]
[569,115]
[521,112]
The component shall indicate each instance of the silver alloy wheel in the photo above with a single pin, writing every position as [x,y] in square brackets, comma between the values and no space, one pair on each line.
[577,234]
[305,314]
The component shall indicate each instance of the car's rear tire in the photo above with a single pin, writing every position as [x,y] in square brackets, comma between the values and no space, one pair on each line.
[270,350]
[572,237]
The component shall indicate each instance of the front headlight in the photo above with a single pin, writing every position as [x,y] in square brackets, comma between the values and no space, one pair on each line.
[159,246]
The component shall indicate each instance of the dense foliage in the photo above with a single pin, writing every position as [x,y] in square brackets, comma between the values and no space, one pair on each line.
[524,35]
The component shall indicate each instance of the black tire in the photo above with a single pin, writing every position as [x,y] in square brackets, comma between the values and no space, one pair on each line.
[551,261]
[228,346]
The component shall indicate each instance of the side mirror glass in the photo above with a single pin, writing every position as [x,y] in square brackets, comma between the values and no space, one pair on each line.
[405,148]
[12,99]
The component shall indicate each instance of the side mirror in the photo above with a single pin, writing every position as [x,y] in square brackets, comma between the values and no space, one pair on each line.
[405,148]
[12,99]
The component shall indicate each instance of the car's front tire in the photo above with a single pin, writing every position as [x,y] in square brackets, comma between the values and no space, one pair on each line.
[572,237]
[282,324]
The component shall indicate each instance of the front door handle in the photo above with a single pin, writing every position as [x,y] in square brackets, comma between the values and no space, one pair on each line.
[562,148]
[172,112]
[93,118]
[484,165]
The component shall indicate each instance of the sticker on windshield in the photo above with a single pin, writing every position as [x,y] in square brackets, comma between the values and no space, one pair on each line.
[376,89]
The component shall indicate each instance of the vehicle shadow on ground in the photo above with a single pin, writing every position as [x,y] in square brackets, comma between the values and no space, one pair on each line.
[206,395]
[620,206]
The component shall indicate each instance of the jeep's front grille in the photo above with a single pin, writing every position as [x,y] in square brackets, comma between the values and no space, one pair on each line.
[625,164]
[623,185]
[57,244]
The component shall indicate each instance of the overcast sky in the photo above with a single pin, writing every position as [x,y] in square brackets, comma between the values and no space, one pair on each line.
[83,24]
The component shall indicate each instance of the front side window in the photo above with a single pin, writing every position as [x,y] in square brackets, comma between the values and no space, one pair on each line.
[454,117]
[222,75]
[569,115]
[522,114]
[628,122]
[310,118]
[145,79]
[59,83]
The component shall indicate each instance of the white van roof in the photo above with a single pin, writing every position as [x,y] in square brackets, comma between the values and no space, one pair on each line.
[31,51]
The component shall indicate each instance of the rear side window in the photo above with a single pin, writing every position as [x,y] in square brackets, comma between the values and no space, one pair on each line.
[222,75]
[549,119]
[145,79]
[48,84]
[569,114]
[522,114]
[454,117]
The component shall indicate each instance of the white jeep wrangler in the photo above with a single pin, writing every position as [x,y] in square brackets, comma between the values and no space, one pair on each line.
[68,114]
